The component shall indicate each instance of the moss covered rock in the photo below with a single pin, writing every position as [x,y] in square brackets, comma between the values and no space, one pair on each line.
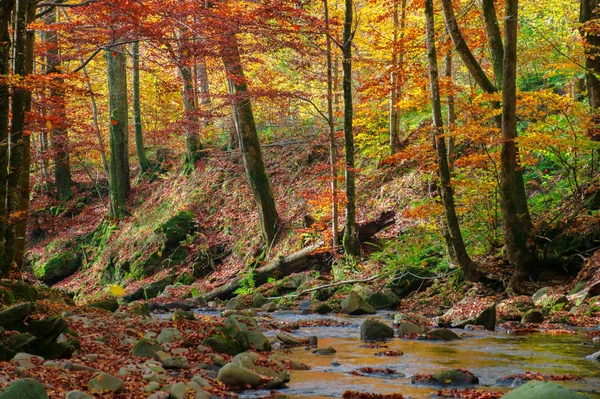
[177,228]
[543,390]
[58,267]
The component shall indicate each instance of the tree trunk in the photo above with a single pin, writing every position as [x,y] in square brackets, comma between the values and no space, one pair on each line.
[6,7]
[190,104]
[137,109]
[331,126]
[453,232]
[451,116]
[59,137]
[17,206]
[350,241]
[494,39]
[591,40]
[398,23]
[463,50]
[249,143]
[116,60]
[515,224]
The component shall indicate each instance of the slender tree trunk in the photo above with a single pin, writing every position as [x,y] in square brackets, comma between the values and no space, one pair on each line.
[591,41]
[203,83]
[494,39]
[190,105]
[515,212]
[6,7]
[249,142]
[399,23]
[451,116]
[59,137]
[453,233]
[17,206]
[515,227]
[137,109]
[331,126]
[97,129]
[350,240]
[116,60]
[463,50]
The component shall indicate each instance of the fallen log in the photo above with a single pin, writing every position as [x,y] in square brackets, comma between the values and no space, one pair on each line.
[314,256]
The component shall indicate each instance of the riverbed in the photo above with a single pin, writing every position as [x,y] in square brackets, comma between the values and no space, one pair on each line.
[488,355]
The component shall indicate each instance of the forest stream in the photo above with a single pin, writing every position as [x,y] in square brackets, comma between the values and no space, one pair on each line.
[488,355]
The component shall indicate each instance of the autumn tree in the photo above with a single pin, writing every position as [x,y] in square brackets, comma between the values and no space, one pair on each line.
[455,238]
[248,140]
[6,7]
[588,17]
[59,137]
[17,203]
[137,111]
[516,224]
[350,239]
[116,60]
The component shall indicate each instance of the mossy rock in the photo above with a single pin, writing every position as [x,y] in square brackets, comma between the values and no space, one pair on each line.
[409,280]
[177,228]
[107,304]
[228,340]
[25,388]
[185,278]
[17,291]
[58,267]
[543,390]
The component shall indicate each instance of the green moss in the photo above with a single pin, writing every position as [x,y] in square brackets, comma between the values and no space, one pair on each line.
[177,228]
[57,267]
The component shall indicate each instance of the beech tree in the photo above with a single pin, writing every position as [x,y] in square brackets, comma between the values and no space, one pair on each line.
[454,235]
[350,239]
[588,17]
[248,140]
[119,186]
[6,8]
[516,225]
[59,137]
[137,111]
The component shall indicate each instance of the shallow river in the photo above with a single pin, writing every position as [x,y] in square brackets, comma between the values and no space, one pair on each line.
[489,356]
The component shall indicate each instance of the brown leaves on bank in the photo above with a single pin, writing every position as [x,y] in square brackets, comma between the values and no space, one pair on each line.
[366,395]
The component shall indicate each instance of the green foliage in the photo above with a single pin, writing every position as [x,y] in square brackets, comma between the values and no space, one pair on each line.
[247,284]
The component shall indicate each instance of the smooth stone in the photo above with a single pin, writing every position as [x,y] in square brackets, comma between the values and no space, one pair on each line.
[179,362]
[168,335]
[159,395]
[354,304]
[26,388]
[325,351]
[105,382]
[232,374]
[287,339]
[152,386]
[375,330]
[78,395]
[543,390]
[442,334]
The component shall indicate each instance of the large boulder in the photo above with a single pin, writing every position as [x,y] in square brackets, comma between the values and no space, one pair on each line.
[375,330]
[238,376]
[145,348]
[25,389]
[354,304]
[58,267]
[543,390]
[456,378]
[441,334]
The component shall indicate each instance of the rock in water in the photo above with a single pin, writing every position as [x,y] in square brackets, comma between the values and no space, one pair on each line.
[25,389]
[543,390]
[442,334]
[248,327]
[532,316]
[234,375]
[409,328]
[374,330]
[354,304]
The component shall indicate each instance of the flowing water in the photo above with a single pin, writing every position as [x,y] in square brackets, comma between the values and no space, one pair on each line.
[488,355]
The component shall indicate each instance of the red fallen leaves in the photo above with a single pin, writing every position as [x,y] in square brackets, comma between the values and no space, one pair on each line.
[375,345]
[366,395]
[373,370]
[389,353]
[529,376]
[468,394]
